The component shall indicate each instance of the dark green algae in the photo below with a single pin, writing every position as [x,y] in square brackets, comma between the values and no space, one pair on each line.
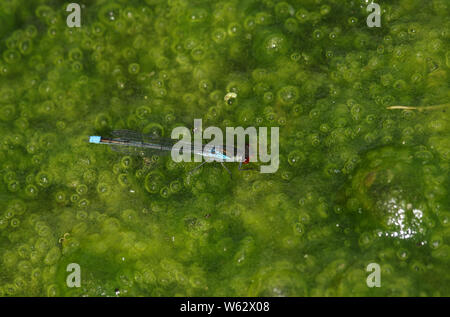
[357,183]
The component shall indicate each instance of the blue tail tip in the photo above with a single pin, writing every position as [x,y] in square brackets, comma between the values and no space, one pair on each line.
[95,139]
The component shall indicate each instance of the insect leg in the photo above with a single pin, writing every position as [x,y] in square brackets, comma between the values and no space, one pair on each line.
[197,167]
[231,175]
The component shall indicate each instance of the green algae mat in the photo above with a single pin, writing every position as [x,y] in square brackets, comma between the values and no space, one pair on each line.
[359,205]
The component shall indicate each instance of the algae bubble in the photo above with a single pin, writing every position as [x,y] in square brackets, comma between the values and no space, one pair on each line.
[154,182]
[270,45]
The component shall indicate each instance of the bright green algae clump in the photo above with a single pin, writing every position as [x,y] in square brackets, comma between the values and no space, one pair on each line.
[357,183]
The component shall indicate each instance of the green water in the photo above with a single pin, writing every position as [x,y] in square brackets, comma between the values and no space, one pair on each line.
[357,184]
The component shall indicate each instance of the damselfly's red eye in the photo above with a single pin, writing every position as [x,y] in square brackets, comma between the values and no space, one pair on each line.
[247,154]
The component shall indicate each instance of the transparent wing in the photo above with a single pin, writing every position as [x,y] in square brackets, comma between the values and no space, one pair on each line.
[125,133]
[133,136]
[136,138]
[138,151]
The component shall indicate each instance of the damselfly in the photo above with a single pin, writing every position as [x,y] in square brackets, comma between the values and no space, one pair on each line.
[144,145]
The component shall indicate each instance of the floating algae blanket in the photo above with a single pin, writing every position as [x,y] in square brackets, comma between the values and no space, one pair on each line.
[364,148]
